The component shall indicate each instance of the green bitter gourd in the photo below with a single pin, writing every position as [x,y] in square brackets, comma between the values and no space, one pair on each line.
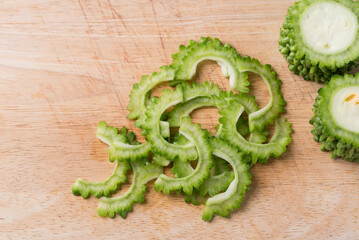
[319,38]
[336,114]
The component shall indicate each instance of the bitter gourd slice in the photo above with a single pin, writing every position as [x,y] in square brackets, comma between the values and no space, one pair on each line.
[224,203]
[260,118]
[105,188]
[261,152]
[336,114]
[160,161]
[159,146]
[142,173]
[108,135]
[320,38]
[186,60]
[139,97]
[192,181]
[123,146]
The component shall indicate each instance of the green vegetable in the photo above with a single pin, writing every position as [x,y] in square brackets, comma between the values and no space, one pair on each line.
[108,135]
[194,133]
[105,188]
[320,38]
[186,60]
[336,114]
[221,176]
[260,118]
[224,203]
[154,112]
[140,93]
[261,152]
[143,172]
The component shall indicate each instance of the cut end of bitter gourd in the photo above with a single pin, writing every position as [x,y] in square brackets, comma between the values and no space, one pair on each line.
[320,38]
[345,108]
[336,115]
[328,27]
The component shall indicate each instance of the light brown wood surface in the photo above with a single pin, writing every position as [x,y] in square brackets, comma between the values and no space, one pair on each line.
[66,65]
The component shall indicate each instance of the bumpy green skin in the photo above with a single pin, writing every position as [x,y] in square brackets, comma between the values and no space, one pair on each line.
[218,181]
[143,172]
[160,161]
[185,61]
[340,142]
[123,152]
[105,188]
[258,152]
[154,112]
[108,135]
[139,97]
[122,146]
[140,92]
[304,61]
[192,181]
[261,118]
[224,203]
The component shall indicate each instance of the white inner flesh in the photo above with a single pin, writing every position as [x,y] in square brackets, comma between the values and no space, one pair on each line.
[232,189]
[227,69]
[328,27]
[346,111]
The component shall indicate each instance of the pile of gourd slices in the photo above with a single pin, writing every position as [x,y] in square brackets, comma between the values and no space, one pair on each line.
[221,176]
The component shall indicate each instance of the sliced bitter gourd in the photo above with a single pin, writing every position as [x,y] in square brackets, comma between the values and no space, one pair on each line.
[140,91]
[192,181]
[105,188]
[108,135]
[143,172]
[260,118]
[261,152]
[320,38]
[336,117]
[160,161]
[224,203]
[123,146]
[123,151]
[139,97]
[186,60]
[154,112]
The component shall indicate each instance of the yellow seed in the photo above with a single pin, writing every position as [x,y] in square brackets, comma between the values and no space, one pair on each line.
[350,97]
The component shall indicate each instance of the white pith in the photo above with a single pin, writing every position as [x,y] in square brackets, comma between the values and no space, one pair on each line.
[227,69]
[346,112]
[328,27]
[232,189]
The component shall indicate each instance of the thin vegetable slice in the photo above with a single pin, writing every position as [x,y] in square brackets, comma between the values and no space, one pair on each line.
[194,133]
[261,152]
[123,151]
[186,60]
[201,95]
[108,135]
[320,38]
[336,114]
[160,161]
[140,93]
[224,203]
[143,172]
[260,118]
[160,146]
[211,186]
[105,188]
[123,146]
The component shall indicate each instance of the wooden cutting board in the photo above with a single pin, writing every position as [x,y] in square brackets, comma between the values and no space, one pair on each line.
[66,65]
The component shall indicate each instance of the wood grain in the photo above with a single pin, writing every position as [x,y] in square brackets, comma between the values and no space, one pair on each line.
[66,65]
